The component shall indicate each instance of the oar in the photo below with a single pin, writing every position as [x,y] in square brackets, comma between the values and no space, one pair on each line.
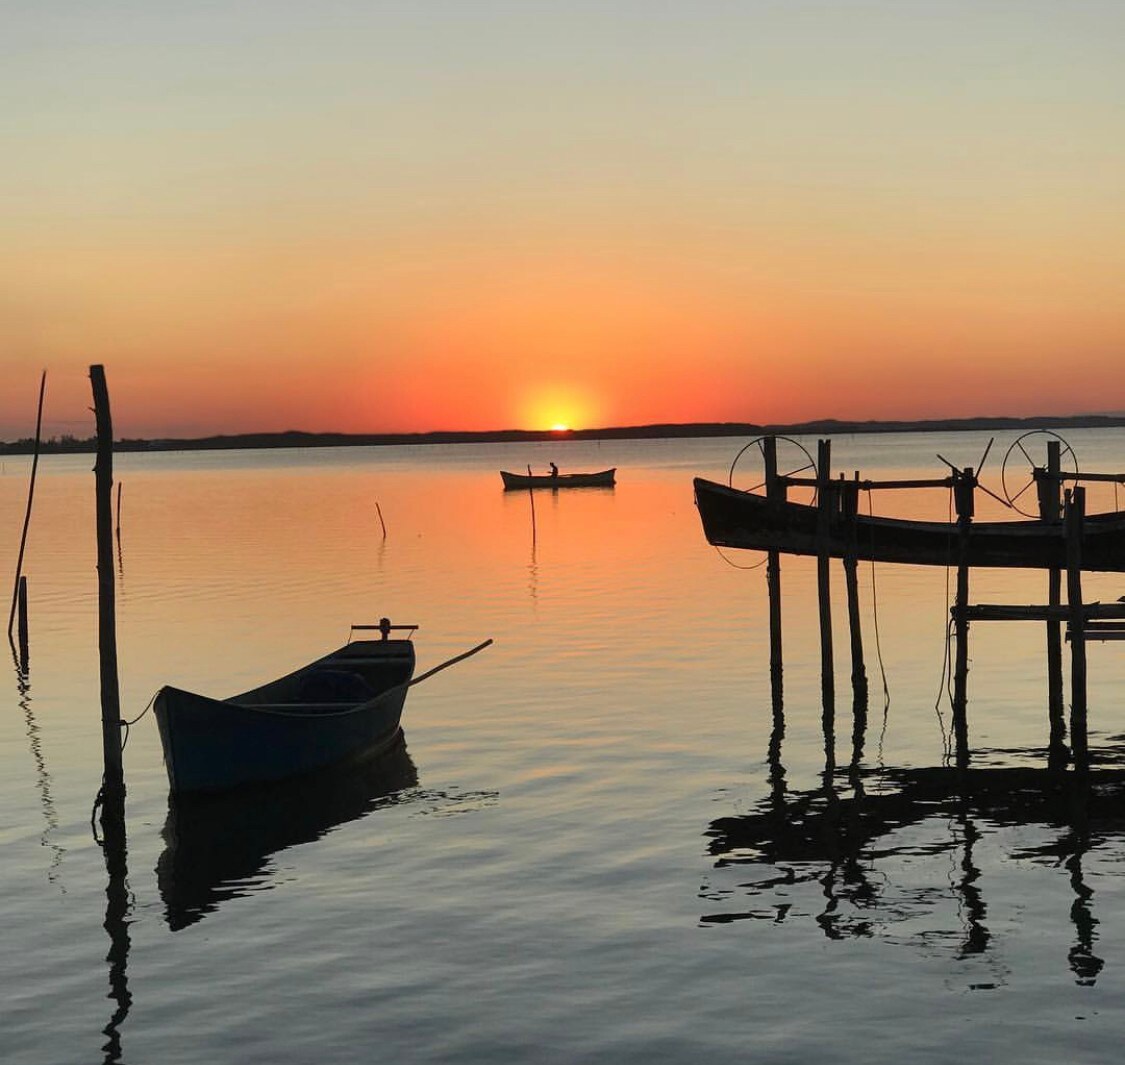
[445,665]
[271,708]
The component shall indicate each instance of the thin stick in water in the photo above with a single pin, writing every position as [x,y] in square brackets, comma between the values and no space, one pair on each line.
[379,511]
[30,497]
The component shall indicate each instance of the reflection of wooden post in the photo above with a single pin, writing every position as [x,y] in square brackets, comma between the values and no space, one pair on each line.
[776,491]
[963,485]
[107,613]
[22,627]
[1075,520]
[825,502]
[1050,512]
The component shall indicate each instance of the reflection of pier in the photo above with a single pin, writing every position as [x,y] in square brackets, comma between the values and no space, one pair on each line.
[848,853]
[219,847]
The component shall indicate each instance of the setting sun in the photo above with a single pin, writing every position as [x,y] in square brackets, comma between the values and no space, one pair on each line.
[560,428]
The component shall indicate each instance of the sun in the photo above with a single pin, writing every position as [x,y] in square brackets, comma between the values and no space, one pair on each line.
[559,427]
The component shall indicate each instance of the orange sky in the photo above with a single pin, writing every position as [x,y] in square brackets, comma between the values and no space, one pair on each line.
[439,218]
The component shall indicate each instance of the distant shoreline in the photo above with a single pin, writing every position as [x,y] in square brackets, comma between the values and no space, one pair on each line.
[701,430]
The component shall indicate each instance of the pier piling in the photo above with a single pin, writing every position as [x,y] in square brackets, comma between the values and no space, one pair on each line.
[826,498]
[775,490]
[964,482]
[1075,520]
[114,780]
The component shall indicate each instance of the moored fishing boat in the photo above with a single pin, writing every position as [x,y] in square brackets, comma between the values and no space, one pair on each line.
[339,708]
[733,518]
[602,479]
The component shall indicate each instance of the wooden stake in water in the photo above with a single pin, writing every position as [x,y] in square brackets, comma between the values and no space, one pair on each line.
[114,782]
[1075,521]
[964,483]
[117,523]
[30,497]
[379,511]
[775,490]
[24,654]
[825,503]
[531,496]
[1049,512]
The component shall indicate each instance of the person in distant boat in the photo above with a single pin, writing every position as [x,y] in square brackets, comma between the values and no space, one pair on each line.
[554,470]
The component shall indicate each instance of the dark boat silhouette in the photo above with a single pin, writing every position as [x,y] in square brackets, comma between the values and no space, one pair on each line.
[733,518]
[218,847]
[343,706]
[600,479]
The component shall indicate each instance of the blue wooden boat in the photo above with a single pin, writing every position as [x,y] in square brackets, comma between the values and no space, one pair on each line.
[340,708]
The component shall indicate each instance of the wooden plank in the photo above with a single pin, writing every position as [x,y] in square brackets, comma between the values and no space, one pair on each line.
[1006,612]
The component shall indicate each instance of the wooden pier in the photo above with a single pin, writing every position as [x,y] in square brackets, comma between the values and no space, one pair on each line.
[1059,537]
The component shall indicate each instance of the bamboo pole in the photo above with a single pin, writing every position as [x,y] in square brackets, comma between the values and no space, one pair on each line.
[825,504]
[776,491]
[1075,519]
[30,497]
[23,641]
[114,781]
[963,487]
[1050,511]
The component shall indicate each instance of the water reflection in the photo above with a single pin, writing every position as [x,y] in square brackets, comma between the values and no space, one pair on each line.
[118,910]
[861,846]
[43,781]
[218,848]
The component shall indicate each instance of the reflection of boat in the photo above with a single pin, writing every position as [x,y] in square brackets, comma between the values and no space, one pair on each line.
[343,706]
[218,846]
[603,479]
[732,518]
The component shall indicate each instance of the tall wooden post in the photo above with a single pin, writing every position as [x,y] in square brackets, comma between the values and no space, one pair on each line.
[114,782]
[22,626]
[963,486]
[1075,521]
[775,490]
[1050,511]
[850,503]
[826,499]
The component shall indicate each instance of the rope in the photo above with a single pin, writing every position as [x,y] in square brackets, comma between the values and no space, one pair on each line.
[878,641]
[946,658]
[735,565]
[125,724]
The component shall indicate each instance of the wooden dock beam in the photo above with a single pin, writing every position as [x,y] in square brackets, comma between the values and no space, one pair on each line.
[775,490]
[1050,511]
[825,501]
[963,485]
[1075,520]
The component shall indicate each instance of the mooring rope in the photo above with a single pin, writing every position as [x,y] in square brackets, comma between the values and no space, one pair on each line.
[946,658]
[878,641]
[125,724]
[735,565]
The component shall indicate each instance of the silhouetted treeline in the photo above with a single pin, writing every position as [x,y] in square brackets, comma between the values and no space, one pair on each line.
[827,426]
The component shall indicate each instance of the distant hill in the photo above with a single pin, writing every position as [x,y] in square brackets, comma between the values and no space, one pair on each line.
[826,426]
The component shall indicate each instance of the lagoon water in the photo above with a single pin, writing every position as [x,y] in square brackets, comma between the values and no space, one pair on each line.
[597,846]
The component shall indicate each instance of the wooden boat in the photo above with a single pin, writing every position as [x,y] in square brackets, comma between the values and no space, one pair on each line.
[340,708]
[732,518]
[601,479]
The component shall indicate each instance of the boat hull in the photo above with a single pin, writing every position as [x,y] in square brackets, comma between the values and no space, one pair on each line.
[732,518]
[276,731]
[601,479]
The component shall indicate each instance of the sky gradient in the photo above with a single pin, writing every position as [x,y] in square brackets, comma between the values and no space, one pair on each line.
[446,214]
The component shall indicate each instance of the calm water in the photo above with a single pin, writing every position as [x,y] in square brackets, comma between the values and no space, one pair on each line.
[586,851]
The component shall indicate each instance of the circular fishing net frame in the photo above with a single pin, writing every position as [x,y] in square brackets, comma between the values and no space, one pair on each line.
[791,456]
[1025,449]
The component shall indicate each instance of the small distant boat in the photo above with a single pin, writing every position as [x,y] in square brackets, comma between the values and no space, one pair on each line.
[732,518]
[340,708]
[601,479]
